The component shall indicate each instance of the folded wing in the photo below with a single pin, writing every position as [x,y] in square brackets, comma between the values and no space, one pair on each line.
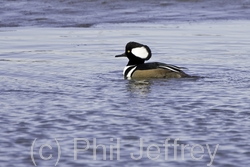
[156,65]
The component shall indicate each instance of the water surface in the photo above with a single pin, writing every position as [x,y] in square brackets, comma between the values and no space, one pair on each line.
[65,83]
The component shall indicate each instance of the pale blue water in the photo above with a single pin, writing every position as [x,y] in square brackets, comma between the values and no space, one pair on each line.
[65,83]
[62,84]
[87,13]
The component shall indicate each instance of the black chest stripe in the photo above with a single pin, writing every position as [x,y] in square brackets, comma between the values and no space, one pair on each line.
[128,70]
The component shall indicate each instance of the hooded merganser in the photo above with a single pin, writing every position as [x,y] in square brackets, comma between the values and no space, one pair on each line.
[136,68]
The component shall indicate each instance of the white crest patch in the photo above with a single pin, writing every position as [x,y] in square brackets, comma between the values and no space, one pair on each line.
[140,52]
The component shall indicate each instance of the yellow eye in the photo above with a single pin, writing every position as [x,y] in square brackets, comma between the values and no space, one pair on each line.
[128,51]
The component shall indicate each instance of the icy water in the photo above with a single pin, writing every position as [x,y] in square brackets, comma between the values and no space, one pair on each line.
[64,101]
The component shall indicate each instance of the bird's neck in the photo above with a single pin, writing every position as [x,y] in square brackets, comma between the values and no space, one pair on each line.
[133,62]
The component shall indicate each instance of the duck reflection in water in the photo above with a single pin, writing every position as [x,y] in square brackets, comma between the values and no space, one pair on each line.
[139,86]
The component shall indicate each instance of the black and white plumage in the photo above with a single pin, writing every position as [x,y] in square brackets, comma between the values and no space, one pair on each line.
[136,68]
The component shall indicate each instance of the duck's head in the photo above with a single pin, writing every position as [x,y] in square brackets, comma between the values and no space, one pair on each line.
[136,53]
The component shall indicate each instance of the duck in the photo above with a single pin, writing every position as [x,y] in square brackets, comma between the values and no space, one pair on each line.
[136,68]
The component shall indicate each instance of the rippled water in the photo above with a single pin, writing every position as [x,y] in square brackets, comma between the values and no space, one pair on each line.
[87,13]
[65,83]
[61,89]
